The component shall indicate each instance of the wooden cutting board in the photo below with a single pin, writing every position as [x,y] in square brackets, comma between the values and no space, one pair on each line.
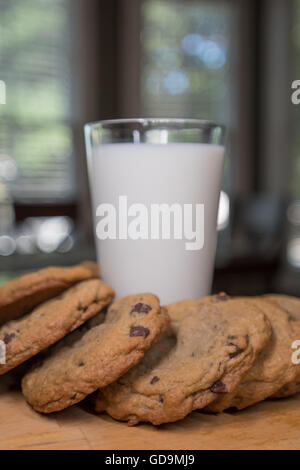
[270,425]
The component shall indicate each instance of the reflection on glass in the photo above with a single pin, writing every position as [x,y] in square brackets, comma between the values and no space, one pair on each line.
[224,211]
[293,252]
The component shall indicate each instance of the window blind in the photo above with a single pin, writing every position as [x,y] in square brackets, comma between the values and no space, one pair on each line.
[35,122]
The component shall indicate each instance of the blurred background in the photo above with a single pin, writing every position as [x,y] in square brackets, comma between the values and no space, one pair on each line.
[67,62]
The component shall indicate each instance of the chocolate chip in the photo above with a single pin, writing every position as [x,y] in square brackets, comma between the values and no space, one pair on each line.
[231,337]
[161,399]
[222,296]
[218,387]
[81,364]
[141,308]
[237,351]
[8,337]
[82,308]
[139,331]
[154,380]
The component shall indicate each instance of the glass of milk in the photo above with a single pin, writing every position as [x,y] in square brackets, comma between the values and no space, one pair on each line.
[155,186]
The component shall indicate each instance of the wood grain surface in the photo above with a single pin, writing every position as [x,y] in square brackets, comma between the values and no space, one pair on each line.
[269,425]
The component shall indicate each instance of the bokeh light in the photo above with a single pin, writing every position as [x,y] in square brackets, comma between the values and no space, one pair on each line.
[166,57]
[7,245]
[176,82]
[192,44]
[213,56]
[209,52]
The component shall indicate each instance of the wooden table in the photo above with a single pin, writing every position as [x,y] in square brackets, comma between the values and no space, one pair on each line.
[270,425]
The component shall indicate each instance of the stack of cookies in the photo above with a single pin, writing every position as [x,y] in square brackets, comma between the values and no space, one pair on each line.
[140,361]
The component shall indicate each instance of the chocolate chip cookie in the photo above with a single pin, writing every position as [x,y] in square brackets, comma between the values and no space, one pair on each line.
[292,306]
[274,367]
[288,303]
[132,325]
[52,320]
[21,295]
[209,346]
[288,390]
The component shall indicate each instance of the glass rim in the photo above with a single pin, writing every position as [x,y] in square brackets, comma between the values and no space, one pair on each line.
[153,121]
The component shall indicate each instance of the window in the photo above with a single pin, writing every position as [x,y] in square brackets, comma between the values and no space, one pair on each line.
[185,59]
[185,65]
[293,212]
[296,110]
[36,145]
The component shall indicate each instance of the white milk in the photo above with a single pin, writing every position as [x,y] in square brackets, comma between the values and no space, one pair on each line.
[155,174]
